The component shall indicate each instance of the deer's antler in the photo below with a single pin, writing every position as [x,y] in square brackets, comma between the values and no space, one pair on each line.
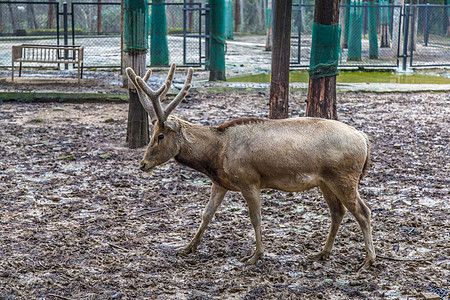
[145,101]
[155,96]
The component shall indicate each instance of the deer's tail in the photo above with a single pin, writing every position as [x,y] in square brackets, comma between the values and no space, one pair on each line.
[366,166]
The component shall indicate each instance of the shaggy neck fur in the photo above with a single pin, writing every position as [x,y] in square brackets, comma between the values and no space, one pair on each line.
[200,148]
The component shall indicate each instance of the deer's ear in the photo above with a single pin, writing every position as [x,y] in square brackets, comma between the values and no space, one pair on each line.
[171,125]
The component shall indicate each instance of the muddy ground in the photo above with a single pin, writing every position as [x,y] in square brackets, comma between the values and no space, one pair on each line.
[78,220]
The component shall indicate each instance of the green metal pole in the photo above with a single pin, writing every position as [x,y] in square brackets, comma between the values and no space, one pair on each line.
[217,40]
[228,19]
[159,51]
[373,39]
[136,45]
[355,33]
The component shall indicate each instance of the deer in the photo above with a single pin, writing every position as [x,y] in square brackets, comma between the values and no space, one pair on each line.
[248,155]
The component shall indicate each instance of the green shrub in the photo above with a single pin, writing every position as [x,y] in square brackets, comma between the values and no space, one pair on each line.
[175,30]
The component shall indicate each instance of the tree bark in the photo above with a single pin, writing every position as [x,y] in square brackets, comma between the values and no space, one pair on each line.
[13,18]
[138,125]
[322,91]
[99,18]
[51,15]
[279,82]
[32,22]
[237,10]
[396,44]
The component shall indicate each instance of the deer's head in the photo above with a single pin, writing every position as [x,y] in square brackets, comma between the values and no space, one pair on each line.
[164,142]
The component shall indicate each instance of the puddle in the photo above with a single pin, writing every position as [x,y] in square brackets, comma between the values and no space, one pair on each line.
[354,77]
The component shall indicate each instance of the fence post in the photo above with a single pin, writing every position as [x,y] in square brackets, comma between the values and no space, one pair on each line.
[373,39]
[73,23]
[355,31]
[427,30]
[66,33]
[299,51]
[405,36]
[217,42]
[413,33]
[159,50]
[208,37]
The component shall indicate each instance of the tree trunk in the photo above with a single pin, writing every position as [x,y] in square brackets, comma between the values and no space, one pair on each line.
[138,125]
[237,16]
[32,22]
[124,55]
[1,21]
[243,27]
[279,82]
[447,13]
[345,24]
[99,18]
[384,24]
[190,17]
[322,91]
[136,16]
[13,19]
[373,39]
[51,16]
[396,43]
[260,12]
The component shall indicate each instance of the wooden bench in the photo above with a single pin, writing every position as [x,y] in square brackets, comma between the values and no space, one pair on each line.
[47,54]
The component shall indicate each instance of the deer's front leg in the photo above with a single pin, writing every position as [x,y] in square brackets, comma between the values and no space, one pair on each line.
[216,198]
[253,199]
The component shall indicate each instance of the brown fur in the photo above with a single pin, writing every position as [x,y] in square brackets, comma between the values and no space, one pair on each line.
[241,121]
[251,154]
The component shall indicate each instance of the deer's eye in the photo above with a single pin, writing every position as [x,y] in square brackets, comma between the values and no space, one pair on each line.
[160,137]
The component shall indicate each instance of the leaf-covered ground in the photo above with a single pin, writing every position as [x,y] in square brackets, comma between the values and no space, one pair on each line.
[78,220]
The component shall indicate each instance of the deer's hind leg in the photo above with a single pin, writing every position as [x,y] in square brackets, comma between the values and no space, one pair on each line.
[337,212]
[349,196]
[253,199]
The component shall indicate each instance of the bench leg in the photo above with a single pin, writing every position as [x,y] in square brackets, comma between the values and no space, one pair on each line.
[12,71]
[20,69]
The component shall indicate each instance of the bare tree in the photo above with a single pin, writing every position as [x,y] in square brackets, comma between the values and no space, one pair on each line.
[279,82]
[322,90]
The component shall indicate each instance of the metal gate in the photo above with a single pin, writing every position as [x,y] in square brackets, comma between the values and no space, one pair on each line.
[195,34]
[187,37]
[188,32]
[426,29]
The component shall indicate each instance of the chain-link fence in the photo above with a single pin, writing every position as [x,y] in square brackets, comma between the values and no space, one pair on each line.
[375,34]
[430,30]
[97,26]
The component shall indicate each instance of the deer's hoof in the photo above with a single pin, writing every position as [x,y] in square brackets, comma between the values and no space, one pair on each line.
[184,251]
[252,259]
[365,266]
[322,255]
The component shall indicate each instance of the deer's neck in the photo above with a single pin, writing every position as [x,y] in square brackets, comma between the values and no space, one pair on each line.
[201,149]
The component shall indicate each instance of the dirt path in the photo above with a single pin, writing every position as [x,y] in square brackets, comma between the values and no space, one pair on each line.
[78,220]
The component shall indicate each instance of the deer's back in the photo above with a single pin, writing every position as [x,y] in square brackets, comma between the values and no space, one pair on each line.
[299,149]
